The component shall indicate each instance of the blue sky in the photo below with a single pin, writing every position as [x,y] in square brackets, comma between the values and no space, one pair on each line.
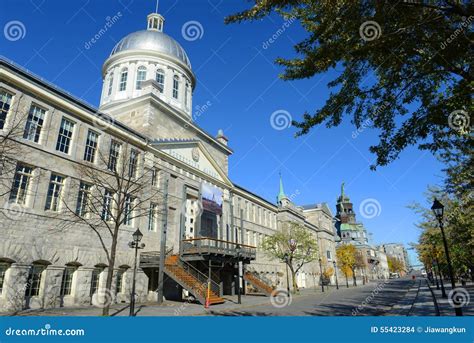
[239,82]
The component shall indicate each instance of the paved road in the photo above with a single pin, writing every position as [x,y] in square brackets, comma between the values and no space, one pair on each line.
[389,297]
[373,299]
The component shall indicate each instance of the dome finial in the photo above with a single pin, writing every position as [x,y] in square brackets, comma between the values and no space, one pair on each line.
[155,20]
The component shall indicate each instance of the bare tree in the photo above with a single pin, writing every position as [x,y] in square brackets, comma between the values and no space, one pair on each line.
[114,193]
[10,146]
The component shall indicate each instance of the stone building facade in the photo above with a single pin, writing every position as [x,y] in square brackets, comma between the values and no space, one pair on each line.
[145,111]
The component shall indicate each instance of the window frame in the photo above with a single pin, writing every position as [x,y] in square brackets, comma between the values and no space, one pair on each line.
[4,266]
[83,197]
[107,202]
[34,123]
[55,189]
[34,279]
[114,155]
[160,72]
[123,79]
[65,135]
[67,280]
[176,82]
[141,77]
[23,184]
[91,146]
[5,106]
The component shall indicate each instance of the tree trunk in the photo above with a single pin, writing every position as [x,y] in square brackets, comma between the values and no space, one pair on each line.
[110,274]
[354,280]
[293,279]
[347,281]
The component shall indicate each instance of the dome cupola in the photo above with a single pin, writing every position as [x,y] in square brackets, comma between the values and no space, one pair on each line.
[148,55]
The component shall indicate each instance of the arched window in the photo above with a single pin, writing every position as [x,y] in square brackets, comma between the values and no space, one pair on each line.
[141,76]
[111,83]
[4,265]
[123,79]
[160,79]
[175,86]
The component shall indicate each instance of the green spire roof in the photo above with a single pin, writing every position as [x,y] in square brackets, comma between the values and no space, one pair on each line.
[281,194]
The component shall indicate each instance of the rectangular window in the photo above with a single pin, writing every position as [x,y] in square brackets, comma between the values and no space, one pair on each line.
[119,282]
[33,282]
[128,213]
[114,154]
[175,88]
[152,218]
[66,283]
[34,124]
[65,136]
[20,185]
[107,206]
[91,146]
[5,102]
[3,271]
[82,199]
[132,163]
[123,80]
[328,254]
[54,192]
[95,280]
[154,177]
[111,84]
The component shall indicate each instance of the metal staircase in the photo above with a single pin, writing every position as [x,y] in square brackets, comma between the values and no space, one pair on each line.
[259,282]
[192,280]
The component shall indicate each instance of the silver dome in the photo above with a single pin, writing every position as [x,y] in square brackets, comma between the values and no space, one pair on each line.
[154,41]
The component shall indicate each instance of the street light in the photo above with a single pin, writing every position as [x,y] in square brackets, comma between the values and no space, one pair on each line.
[321,275]
[443,291]
[238,251]
[135,244]
[286,259]
[335,273]
[438,210]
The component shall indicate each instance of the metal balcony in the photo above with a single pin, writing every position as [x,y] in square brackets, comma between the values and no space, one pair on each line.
[207,248]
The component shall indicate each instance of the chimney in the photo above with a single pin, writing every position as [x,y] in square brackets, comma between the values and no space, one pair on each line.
[221,138]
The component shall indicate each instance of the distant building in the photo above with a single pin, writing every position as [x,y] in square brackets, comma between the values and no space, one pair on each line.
[398,251]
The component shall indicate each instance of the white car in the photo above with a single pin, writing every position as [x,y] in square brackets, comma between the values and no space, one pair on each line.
[423,273]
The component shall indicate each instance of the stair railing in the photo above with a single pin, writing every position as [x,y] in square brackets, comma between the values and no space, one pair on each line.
[201,277]
[259,276]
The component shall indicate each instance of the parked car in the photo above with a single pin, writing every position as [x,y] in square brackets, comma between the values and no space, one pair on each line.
[394,276]
[423,273]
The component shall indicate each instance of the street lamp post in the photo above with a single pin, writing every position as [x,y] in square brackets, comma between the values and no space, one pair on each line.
[239,296]
[335,273]
[433,270]
[135,244]
[285,258]
[438,210]
[321,274]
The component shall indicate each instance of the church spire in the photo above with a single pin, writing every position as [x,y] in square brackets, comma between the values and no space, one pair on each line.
[281,194]
[155,20]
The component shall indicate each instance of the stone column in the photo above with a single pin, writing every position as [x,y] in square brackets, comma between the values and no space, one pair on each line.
[51,286]
[14,286]
[82,286]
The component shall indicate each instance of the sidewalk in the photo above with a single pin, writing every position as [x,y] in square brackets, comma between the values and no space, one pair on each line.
[427,300]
